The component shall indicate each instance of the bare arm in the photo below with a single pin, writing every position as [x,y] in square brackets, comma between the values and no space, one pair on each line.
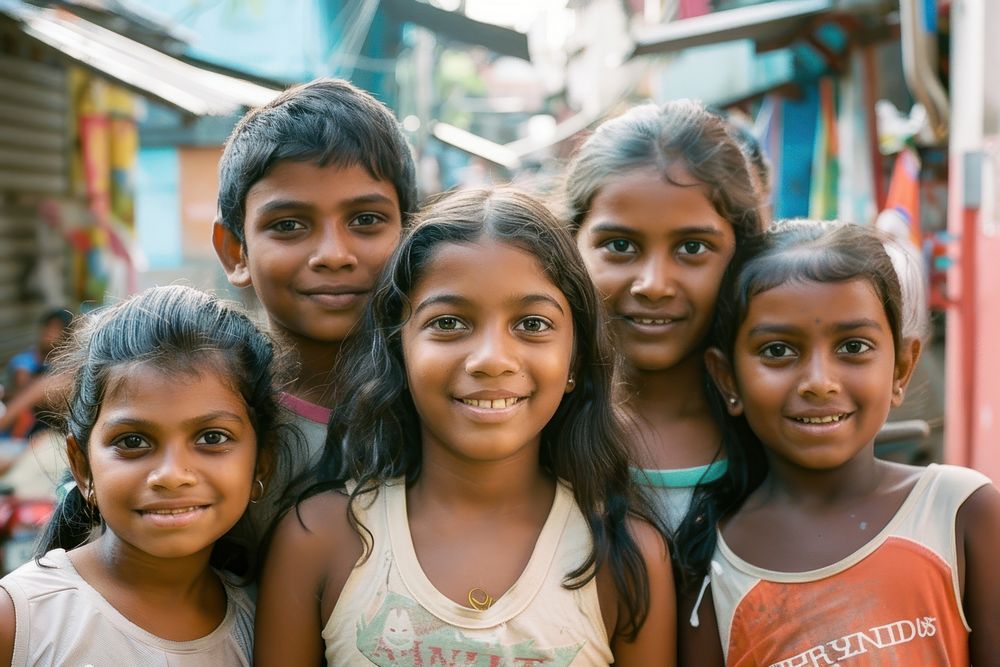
[35,394]
[305,570]
[7,628]
[978,528]
[698,645]
[656,642]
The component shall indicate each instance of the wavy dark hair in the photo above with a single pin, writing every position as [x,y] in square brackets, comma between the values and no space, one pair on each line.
[685,134]
[790,251]
[178,330]
[583,443]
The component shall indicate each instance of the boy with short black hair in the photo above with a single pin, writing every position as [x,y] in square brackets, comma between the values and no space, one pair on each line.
[314,191]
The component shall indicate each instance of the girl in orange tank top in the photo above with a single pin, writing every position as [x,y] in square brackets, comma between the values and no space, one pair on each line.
[838,557]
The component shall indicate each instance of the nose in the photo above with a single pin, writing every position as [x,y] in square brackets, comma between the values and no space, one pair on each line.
[819,377]
[654,280]
[334,250]
[172,471]
[494,353]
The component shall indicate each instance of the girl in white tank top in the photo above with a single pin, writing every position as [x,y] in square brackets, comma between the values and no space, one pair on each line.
[168,427]
[490,518]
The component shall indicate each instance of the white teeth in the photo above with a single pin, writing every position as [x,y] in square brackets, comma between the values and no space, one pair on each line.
[821,420]
[180,510]
[497,404]
[646,320]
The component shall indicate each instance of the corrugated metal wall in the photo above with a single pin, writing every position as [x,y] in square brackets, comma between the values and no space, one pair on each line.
[34,168]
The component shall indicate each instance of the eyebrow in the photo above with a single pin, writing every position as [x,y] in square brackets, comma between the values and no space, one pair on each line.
[217,415]
[456,300]
[839,327]
[616,228]
[293,204]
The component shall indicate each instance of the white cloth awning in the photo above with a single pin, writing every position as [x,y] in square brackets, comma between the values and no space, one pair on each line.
[189,88]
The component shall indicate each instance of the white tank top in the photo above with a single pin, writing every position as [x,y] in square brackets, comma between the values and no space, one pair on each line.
[63,620]
[389,613]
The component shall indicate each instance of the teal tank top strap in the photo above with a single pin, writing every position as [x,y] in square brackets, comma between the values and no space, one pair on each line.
[680,477]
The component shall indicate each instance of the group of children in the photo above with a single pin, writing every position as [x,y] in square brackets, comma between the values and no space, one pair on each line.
[638,431]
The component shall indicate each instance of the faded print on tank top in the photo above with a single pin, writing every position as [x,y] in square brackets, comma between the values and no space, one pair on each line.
[401,632]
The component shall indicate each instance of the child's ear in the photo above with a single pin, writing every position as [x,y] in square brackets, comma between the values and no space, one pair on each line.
[721,372]
[78,465]
[906,361]
[231,253]
[265,465]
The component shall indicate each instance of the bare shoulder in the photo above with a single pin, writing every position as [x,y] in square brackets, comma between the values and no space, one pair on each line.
[979,515]
[650,541]
[312,553]
[977,530]
[321,518]
[315,540]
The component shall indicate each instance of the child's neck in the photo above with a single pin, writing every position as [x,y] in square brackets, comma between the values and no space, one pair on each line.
[671,424]
[490,487]
[314,379]
[139,571]
[179,599]
[857,478]
[672,393]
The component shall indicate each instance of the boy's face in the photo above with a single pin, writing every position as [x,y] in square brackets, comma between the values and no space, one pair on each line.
[316,239]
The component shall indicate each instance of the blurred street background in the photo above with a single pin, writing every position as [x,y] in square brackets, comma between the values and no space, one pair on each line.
[113,114]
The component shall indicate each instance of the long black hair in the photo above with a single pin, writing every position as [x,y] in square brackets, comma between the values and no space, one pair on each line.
[685,134]
[583,443]
[177,330]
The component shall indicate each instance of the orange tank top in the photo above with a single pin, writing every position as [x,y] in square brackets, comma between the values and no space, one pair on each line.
[895,601]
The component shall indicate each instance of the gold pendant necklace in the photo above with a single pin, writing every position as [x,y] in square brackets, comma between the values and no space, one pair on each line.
[479,599]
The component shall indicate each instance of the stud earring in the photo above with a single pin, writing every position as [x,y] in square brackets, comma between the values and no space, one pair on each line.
[570,383]
[733,401]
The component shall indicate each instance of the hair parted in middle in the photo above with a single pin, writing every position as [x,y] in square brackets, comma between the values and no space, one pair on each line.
[681,133]
[583,443]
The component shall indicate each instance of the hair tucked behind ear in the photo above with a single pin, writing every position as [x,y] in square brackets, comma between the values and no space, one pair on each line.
[583,443]
[177,330]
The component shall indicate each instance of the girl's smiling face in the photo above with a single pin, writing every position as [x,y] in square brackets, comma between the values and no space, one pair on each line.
[171,459]
[656,252]
[488,350]
[815,371]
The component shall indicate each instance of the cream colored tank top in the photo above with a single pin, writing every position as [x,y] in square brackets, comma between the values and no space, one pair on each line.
[389,613]
[62,620]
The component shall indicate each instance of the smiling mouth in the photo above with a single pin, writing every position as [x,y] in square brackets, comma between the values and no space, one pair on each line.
[494,404]
[178,510]
[828,419]
[649,321]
